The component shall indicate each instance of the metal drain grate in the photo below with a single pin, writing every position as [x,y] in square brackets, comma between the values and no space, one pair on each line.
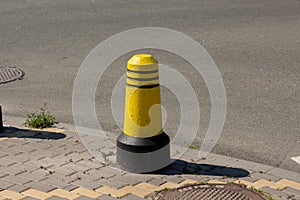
[8,74]
[208,192]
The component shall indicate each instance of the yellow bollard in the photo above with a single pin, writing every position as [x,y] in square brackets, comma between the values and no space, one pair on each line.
[143,146]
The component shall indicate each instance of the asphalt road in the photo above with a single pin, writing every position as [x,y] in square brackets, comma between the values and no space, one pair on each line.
[255,44]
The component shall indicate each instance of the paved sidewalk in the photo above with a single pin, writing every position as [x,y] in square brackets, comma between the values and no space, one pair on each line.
[54,164]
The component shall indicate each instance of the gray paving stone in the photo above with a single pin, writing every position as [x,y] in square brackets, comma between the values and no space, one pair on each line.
[105,172]
[106,197]
[37,155]
[112,183]
[268,177]
[5,162]
[125,179]
[141,177]
[285,173]
[16,179]
[62,170]
[75,157]
[94,164]
[3,174]
[5,184]
[88,176]
[56,198]
[6,144]
[25,148]
[37,175]
[194,177]
[157,181]
[249,179]
[18,188]
[87,184]
[273,192]
[64,178]
[20,158]
[292,191]
[40,186]
[76,167]
[39,146]
[55,182]
[30,198]
[58,161]
[83,198]
[174,179]
[13,170]
[71,187]
[3,154]
[132,197]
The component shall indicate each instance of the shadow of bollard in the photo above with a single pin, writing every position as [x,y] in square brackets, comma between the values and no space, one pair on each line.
[181,167]
[12,132]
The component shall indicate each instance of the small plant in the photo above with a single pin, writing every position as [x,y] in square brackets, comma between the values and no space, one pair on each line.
[106,157]
[42,119]
[192,146]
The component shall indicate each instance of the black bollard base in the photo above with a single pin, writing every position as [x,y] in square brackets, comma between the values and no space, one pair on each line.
[1,121]
[141,155]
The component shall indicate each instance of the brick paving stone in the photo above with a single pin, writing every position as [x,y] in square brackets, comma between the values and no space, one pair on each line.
[280,194]
[132,197]
[40,186]
[87,184]
[125,179]
[157,181]
[5,184]
[18,188]
[293,191]
[111,183]
[56,198]
[16,179]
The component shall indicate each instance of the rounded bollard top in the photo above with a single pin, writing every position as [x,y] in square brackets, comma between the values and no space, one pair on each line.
[139,60]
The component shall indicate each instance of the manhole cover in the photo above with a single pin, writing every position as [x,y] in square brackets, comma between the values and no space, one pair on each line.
[208,192]
[8,74]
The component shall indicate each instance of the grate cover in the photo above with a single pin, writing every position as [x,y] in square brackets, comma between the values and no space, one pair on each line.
[8,74]
[208,192]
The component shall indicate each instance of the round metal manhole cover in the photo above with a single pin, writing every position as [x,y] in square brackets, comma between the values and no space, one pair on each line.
[8,74]
[208,192]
